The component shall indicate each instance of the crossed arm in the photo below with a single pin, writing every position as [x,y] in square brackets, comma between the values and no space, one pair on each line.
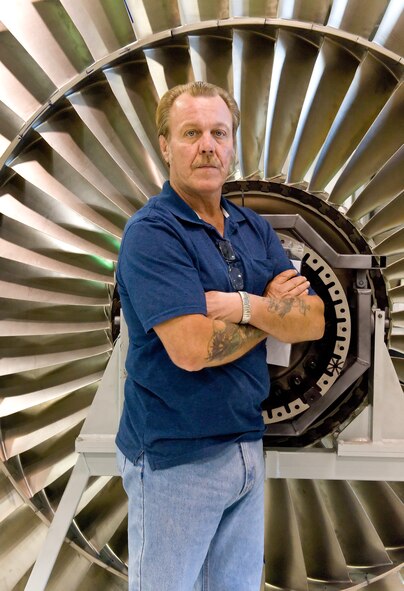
[285,311]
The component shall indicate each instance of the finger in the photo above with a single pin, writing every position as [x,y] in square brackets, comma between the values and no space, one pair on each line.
[285,276]
[301,288]
[295,281]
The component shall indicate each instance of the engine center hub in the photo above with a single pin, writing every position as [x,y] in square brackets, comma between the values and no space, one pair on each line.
[314,368]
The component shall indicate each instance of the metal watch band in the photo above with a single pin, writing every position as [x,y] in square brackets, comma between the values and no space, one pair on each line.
[245,300]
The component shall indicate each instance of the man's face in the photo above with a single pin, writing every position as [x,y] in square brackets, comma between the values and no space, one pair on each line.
[200,147]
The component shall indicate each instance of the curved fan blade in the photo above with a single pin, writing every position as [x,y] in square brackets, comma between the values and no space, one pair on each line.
[193,11]
[398,363]
[328,86]
[292,66]
[211,59]
[368,93]
[151,16]
[391,216]
[349,16]
[395,270]
[387,183]
[382,140]
[49,36]
[104,26]
[252,65]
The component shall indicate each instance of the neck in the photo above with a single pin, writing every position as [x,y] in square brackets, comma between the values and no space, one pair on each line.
[207,207]
[203,204]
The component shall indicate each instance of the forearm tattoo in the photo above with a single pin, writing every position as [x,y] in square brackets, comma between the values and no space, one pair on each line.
[284,306]
[230,339]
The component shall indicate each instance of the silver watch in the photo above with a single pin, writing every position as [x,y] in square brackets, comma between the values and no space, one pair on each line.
[245,300]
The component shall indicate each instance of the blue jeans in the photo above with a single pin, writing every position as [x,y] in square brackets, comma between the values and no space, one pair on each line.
[197,526]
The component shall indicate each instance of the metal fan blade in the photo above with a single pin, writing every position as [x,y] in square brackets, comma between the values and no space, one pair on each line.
[23,529]
[393,244]
[47,34]
[104,26]
[252,65]
[100,519]
[51,351]
[391,216]
[34,169]
[357,535]
[211,59]
[387,183]
[24,85]
[292,66]
[150,16]
[136,95]
[26,214]
[385,509]
[315,12]
[66,136]
[193,11]
[104,117]
[253,8]
[19,392]
[395,270]
[169,65]
[328,86]
[349,16]
[382,140]
[397,343]
[396,294]
[389,31]
[10,124]
[322,552]
[368,93]
[398,318]
[34,426]
[281,570]
[398,363]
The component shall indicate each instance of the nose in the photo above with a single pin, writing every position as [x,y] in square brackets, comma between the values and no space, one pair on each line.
[206,144]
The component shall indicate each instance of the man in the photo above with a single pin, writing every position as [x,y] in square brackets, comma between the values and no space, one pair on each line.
[202,283]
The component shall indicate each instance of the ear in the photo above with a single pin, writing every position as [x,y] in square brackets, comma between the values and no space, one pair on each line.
[164,147]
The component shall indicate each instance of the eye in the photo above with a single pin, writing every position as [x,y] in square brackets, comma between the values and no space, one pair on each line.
[220,133]
[190,133]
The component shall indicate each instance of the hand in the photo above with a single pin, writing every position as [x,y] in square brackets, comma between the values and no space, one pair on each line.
[224,306]
[287,284]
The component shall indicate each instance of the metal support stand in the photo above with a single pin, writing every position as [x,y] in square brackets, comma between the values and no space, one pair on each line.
[96,448]
[371,447]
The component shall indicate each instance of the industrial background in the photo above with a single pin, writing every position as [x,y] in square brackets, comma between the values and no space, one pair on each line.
[319,84]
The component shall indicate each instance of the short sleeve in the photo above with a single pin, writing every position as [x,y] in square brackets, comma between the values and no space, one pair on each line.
[158,273]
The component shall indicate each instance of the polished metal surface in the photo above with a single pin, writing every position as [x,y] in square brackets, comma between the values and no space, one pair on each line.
[319,83]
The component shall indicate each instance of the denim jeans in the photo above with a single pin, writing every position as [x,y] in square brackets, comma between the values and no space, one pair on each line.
[197,526]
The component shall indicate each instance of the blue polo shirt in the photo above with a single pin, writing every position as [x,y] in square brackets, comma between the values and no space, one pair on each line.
[168,259]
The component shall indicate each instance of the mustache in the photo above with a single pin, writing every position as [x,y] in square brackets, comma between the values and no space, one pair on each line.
[206,161]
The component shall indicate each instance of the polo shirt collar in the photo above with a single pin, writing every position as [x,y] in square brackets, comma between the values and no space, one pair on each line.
[182,210]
